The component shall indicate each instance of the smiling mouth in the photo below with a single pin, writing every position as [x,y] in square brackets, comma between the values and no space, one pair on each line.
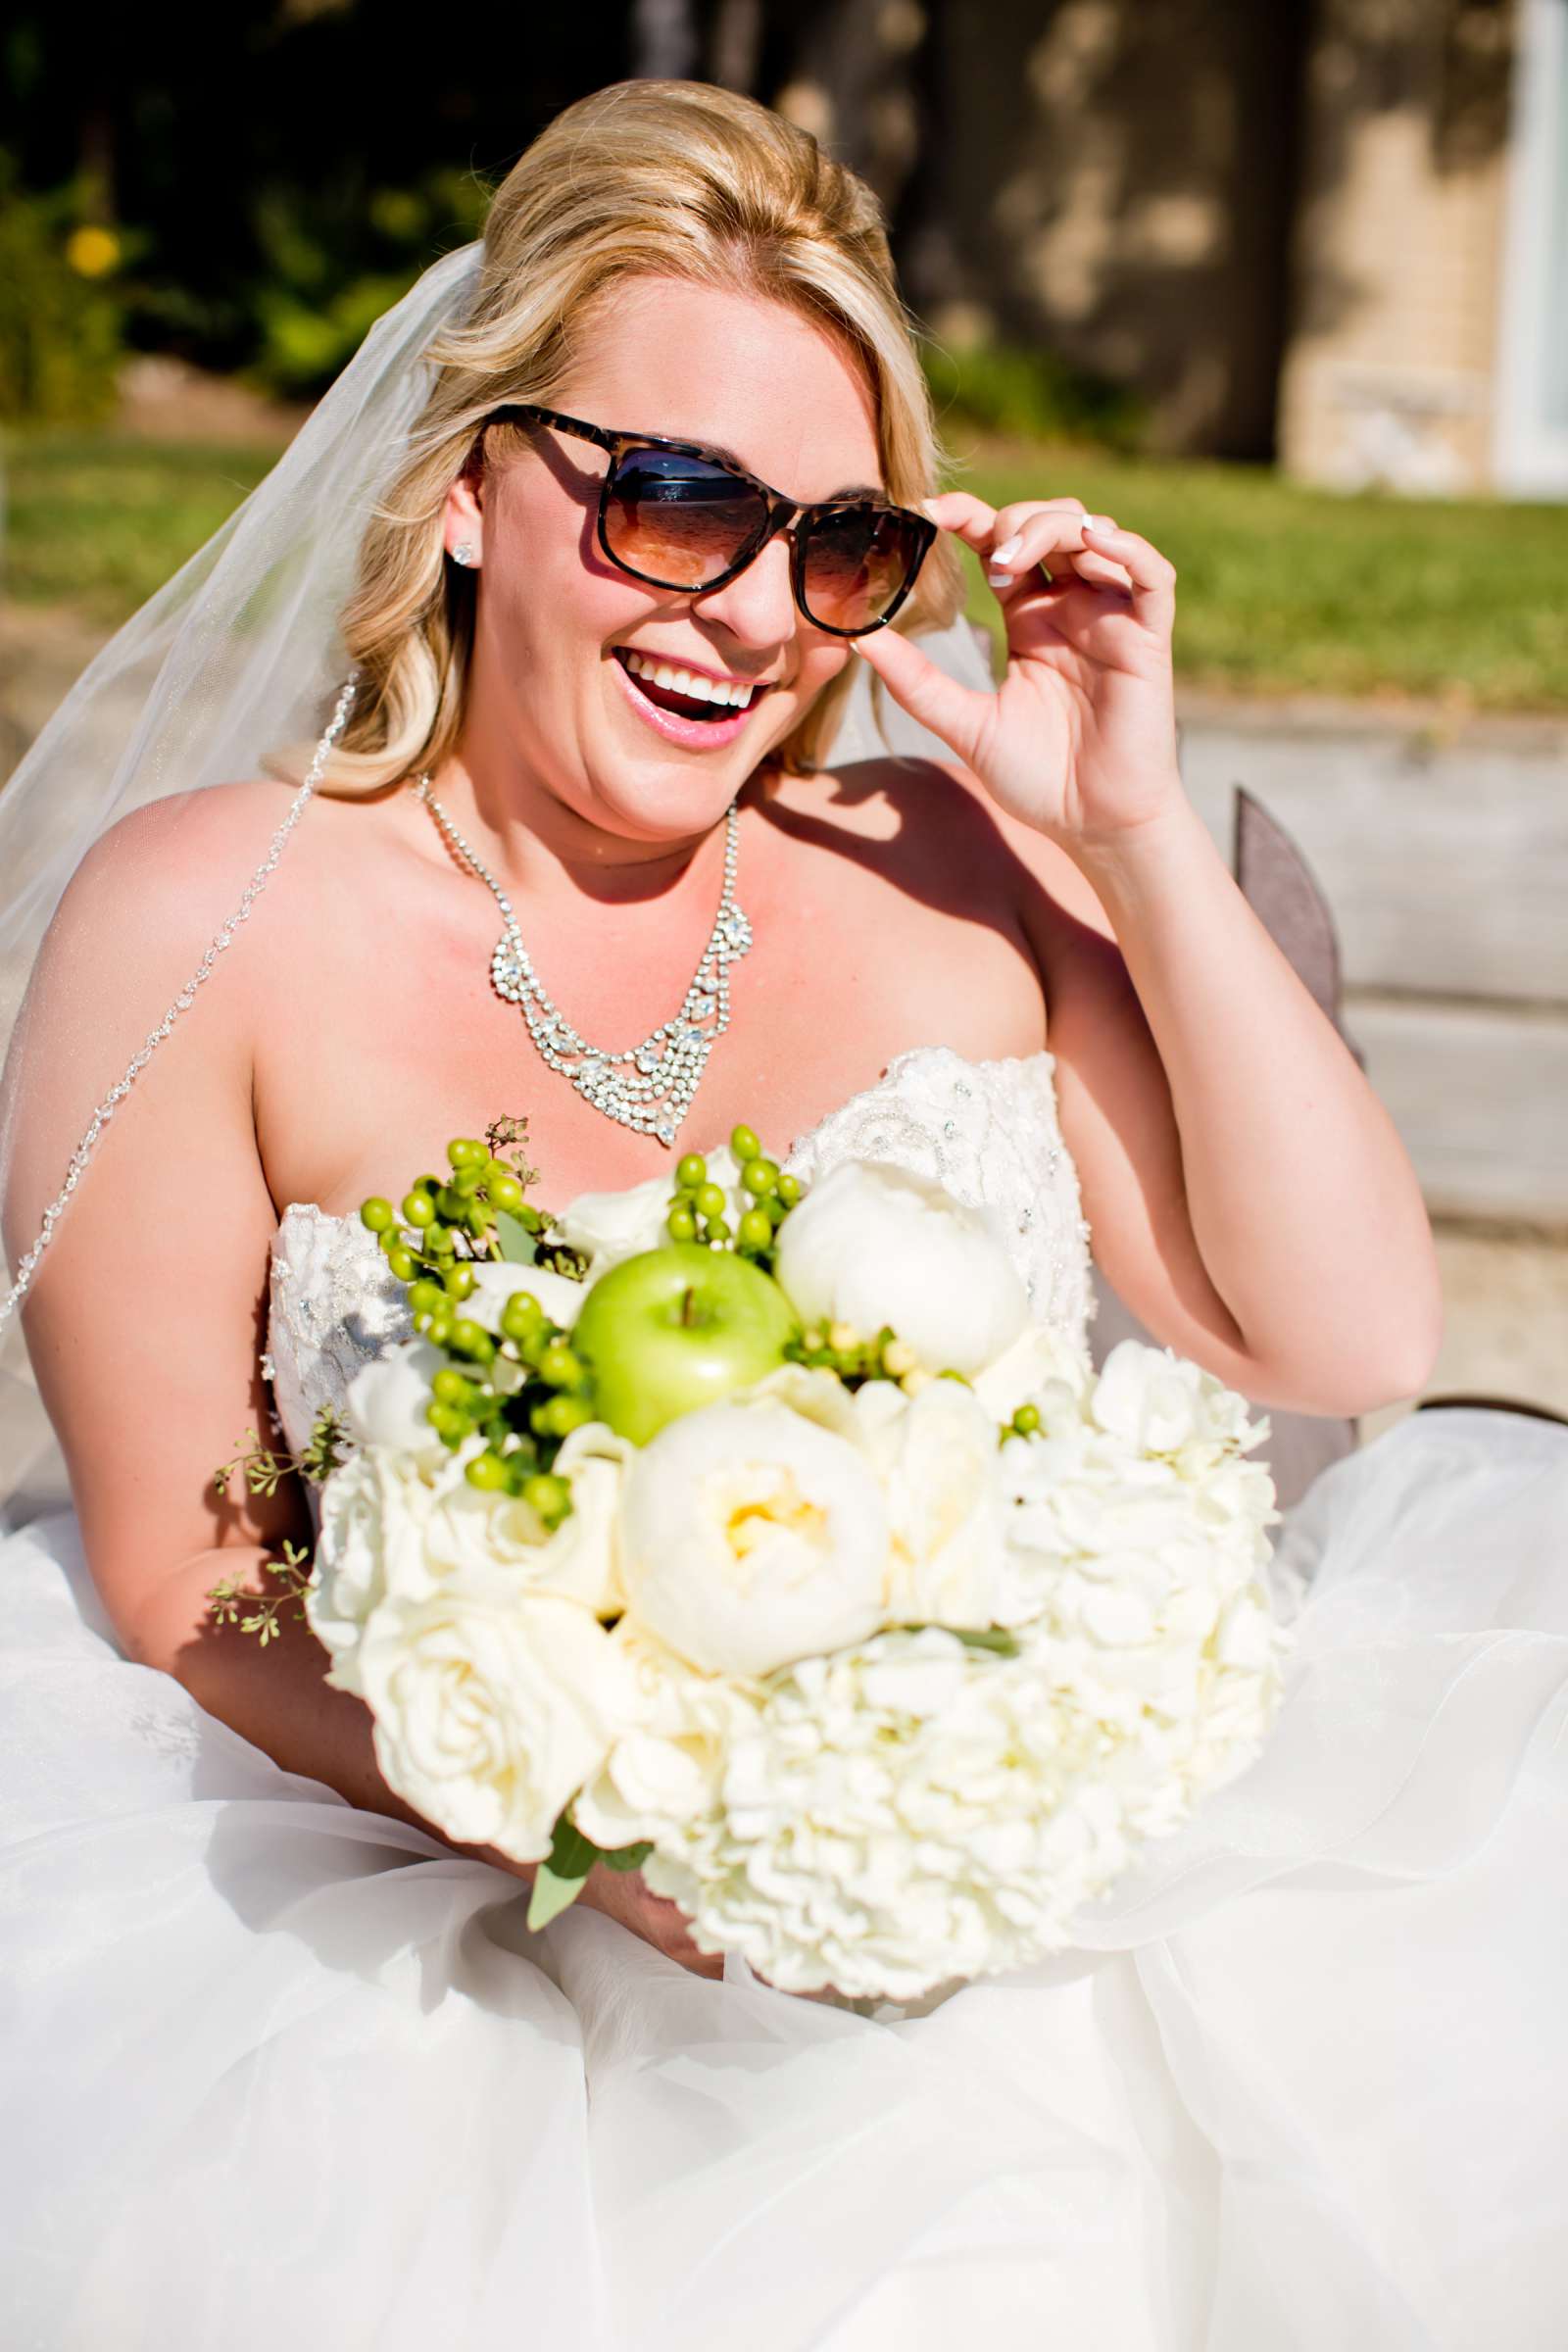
[685,693]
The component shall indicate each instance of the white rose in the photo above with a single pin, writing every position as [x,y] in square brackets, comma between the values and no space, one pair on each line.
[495,1282]
[376,1512]
[468,1531]
[938,1459]
[752,1536]
[492,1705]
[384,1404]
[872,1245]
[608,1227]
[666,1768]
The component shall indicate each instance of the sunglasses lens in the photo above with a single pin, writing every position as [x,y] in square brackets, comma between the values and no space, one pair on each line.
[679,521]
[857,560]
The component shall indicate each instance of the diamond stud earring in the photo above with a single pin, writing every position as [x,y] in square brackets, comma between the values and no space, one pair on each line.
[462,553]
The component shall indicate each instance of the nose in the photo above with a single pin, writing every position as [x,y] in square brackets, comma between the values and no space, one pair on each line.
[757,607]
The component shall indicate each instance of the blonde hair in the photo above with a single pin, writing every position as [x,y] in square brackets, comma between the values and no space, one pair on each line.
[668,177]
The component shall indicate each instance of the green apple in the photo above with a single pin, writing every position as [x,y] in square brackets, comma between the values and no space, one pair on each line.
[676,1327]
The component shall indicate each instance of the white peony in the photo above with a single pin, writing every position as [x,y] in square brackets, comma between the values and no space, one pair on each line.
[1038,1359]
[493,1702]
[495,1282]
[384,1404]
[608,1227]
[937,1455]
[873,1244]
[752,1536]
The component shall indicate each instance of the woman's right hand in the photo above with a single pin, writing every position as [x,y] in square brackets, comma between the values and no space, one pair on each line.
[625,1895]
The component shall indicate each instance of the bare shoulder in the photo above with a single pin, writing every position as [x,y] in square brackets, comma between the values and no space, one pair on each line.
[935,815]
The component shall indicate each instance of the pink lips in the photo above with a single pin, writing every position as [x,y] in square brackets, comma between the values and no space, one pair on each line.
[692,734]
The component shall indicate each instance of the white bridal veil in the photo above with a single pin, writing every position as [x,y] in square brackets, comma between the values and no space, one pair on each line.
[235,656]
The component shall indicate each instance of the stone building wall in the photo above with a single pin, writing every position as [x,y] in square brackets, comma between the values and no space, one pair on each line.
[1390,367]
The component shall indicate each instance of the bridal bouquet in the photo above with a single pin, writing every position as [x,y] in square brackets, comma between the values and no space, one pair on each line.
[757,1539]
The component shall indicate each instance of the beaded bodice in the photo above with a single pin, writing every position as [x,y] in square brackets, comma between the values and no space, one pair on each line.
[988,1129]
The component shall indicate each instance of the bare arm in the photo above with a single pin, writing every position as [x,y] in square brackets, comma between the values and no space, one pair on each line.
[1250,1198]
[146,1320]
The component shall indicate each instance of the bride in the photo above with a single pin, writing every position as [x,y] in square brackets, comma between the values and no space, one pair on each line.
[605,520]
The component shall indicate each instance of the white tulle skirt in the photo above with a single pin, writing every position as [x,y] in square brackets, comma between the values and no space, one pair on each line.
[283,2075]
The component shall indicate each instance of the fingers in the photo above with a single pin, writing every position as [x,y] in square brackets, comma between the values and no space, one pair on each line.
[1014,541]
[932,698]
[1153,576]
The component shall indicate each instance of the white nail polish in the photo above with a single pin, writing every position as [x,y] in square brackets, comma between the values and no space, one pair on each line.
[1098,522]
[998,579]
[1005,554]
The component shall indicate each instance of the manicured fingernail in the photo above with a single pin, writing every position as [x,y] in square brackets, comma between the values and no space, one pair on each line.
[998,579]
[1005,554]
[1103,524]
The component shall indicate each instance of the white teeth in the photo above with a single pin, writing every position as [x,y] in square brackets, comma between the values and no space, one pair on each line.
[691,683]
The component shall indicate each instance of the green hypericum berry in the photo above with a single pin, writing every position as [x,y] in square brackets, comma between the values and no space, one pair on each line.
[450,1426]
[716,1229]
[465,1182]
[773,1208]
[459,1280]
[560,1366]
[471,1338]
[465,1152]
[547,1494]
[506,1193]
[438,1330]
[419,1209]
[745,1142]
[521,1316]
[487,1471]
[403,1263]
[1026,1420]
[789,1190]
[759,1176]
[681,1225]
[439,1242]
[756,1230]
[560,1415]
[711,1201]
[376,1214]
[451,1387]
[424,1297]
[691,1170]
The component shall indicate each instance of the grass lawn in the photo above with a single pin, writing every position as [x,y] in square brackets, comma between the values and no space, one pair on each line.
[1286,589]
[1282,589]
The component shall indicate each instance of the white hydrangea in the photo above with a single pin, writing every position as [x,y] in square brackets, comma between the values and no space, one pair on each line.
[916,1810]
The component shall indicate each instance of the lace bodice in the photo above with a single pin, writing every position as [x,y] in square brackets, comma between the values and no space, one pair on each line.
[988,1129]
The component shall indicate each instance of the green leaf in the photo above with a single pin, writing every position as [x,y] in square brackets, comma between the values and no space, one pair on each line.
[572,1855]
[628,1857]
[517,1245]
[991,1637]
[551,1894]
[978,1637]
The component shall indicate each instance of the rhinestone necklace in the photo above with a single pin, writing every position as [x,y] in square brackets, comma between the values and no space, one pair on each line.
[648,1087]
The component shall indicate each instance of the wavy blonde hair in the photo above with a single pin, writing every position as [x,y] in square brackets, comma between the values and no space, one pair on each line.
[668,177]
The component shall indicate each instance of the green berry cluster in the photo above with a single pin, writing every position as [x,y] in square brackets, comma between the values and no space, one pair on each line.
[836,1347]
[442,1219]
[697,1213]
[523,1389]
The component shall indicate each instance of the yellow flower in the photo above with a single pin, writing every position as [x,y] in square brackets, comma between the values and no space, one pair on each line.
[92,252]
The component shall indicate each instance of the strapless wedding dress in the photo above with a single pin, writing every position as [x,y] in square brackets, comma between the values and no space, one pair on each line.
[284,2074]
